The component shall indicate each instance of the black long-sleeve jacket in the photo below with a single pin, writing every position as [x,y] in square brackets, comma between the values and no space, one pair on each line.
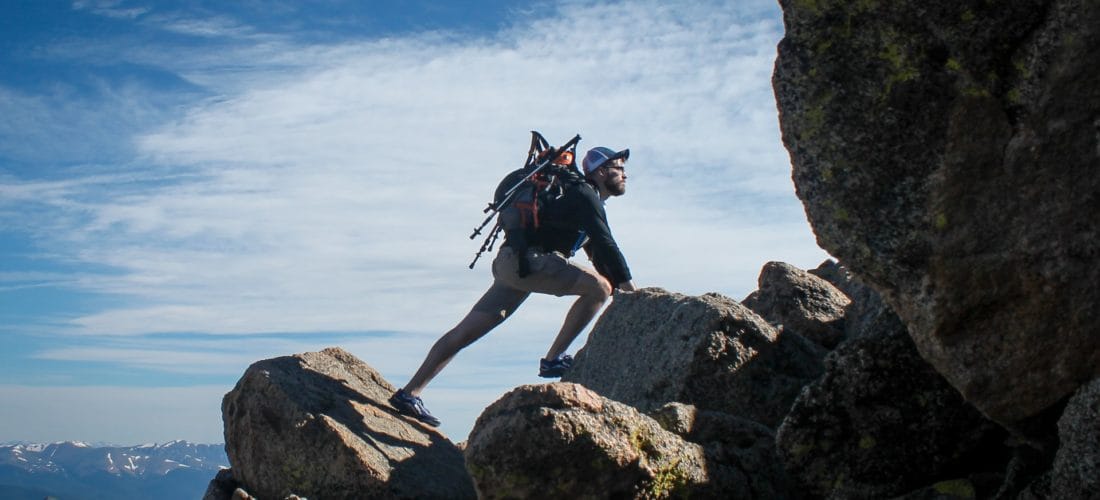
[578,214]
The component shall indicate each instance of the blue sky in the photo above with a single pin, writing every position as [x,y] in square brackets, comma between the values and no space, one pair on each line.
[188,187]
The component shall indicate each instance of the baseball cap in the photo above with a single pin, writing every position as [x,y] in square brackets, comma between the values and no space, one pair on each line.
[596,157]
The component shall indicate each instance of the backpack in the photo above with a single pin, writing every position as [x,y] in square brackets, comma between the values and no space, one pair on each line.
[520,195]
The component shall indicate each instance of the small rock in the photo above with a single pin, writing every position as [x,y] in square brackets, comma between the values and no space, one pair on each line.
[800,301]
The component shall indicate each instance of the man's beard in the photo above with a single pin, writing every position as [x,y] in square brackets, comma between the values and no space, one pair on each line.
[618,189]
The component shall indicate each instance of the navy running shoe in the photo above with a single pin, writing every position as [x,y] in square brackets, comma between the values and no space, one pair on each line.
[412,406]
[555,368]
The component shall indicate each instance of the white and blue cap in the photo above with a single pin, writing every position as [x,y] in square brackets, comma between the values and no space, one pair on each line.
[598,156]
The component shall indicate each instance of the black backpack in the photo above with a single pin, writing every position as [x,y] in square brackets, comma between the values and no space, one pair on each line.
[521,194]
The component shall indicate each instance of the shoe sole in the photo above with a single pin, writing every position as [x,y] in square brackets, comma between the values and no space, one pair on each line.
[397,406]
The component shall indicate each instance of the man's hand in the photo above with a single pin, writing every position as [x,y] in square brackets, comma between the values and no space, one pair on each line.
[627,286]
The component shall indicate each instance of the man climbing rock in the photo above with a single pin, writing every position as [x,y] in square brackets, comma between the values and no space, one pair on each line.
[575,220]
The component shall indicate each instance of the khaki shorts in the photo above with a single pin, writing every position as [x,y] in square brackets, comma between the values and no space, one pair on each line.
[551,273]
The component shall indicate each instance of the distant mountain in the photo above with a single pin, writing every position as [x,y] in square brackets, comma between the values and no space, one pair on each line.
[76,470]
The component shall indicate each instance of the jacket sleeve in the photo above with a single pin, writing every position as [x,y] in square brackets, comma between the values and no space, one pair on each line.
[601,247]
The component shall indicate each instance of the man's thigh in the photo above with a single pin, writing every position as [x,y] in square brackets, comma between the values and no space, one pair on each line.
[551,273]
[500,301]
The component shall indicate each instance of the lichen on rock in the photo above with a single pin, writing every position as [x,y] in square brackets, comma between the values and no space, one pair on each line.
[946,152]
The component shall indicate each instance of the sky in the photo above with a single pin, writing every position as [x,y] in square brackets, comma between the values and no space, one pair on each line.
[189,187]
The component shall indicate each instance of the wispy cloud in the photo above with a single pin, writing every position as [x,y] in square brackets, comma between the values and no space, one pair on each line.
[110,8]
[217,27]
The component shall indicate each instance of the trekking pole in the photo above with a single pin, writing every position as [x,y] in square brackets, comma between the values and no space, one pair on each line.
[494,206]
[477,230]
[488,244]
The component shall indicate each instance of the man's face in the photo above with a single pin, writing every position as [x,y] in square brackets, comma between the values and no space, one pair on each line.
[614,177]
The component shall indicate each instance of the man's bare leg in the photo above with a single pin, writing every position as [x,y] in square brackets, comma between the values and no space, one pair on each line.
[593,295]
[474,326]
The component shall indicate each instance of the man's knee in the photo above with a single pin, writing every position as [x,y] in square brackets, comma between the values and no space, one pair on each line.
[598,289]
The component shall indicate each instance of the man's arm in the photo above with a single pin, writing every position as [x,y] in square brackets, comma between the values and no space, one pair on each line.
[602,249]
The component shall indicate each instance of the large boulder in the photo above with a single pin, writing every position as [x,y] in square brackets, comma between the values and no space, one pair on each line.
[1076,471]
[946,152]
[562,440]
[317,424]
[800,301]
[881,422]
[653,347]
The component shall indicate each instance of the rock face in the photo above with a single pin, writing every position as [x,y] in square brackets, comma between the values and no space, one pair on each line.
[561,440]
[946,152]
[221,487]
[653,347]
[881,422]
[800,302]
[317,425]
[730,441]
[866,314]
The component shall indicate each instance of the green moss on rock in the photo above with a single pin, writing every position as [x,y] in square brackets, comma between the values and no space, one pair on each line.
[957,488]
[668,481]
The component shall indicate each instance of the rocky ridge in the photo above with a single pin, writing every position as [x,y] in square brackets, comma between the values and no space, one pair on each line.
[869,419]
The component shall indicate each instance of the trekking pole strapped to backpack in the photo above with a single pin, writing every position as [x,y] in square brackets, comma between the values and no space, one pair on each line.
[539,156]
[554,154]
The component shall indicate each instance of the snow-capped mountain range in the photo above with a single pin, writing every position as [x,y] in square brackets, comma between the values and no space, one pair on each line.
[80,458]
[178,470]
